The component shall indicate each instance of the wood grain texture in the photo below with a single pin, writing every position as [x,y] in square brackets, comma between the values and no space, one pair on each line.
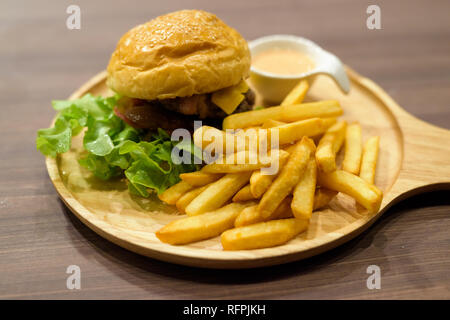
[409,58]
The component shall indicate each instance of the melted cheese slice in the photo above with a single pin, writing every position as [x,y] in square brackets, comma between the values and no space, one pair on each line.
[228,99]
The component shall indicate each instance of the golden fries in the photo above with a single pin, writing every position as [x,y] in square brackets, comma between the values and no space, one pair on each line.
[329,146]
[322,197]
[288,178]
[289,133]
[171,195]
[214,139]
[205,226]
[297,94]
[250,215]
[296,112]
[263,234]
[328,122]
[294,131]
[353,149]
[319,109]
[289,148]
[252,138]
[369,160]
[267,210]
[245,161]
[185,199]
[259,182]
[243,195]
[270,123]
[200,178]
[221,142]
[218,193]
[303,201]
[250,128]
[363,192]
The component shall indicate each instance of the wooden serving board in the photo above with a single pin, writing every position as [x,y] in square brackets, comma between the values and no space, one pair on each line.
[414,157]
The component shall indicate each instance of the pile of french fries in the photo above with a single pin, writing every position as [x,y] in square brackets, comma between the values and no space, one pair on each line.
[251,209]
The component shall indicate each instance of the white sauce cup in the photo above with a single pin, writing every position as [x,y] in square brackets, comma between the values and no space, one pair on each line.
[274,87]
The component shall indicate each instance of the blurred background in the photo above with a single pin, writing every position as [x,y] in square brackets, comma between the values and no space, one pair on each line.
[409,57]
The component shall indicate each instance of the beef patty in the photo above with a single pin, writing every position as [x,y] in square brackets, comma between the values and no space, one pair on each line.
[202,105]
[156,114]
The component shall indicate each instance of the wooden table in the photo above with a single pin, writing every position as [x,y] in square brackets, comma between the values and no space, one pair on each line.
[41,60]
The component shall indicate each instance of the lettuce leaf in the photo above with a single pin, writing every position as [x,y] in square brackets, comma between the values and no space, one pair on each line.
[113,147]
[152,166]
[55,140]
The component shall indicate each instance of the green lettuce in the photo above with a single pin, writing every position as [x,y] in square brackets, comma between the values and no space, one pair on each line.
[113,147]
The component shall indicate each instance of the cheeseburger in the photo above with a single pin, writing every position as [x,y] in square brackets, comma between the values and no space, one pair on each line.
[180,67]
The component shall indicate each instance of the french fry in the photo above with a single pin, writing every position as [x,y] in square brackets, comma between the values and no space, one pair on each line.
[322,197]
[214,138]
[296,112]
[369,159]
[243,195]
[263,234]
[204,226]
[289,148]
[288,133]
[250,215]
[297,94]
[303,200]
[259,183]
[233,162]
[329,146]
[328,122]
[353,149]
[221,142]
[252,128]
[288,178]
[251,139]
[270,123]
[217,193]
[363,192]
[185,199]
[172,194]
[200,178]
[284,210]
[294,131]
[319,109]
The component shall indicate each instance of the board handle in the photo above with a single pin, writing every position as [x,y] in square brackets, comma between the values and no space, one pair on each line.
[426,153]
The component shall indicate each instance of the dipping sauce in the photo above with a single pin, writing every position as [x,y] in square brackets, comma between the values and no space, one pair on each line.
[283,61]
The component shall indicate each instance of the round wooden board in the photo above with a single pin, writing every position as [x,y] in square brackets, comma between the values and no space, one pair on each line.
[130,222]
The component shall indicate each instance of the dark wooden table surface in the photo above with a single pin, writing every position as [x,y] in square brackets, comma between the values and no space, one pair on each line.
[41,60]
